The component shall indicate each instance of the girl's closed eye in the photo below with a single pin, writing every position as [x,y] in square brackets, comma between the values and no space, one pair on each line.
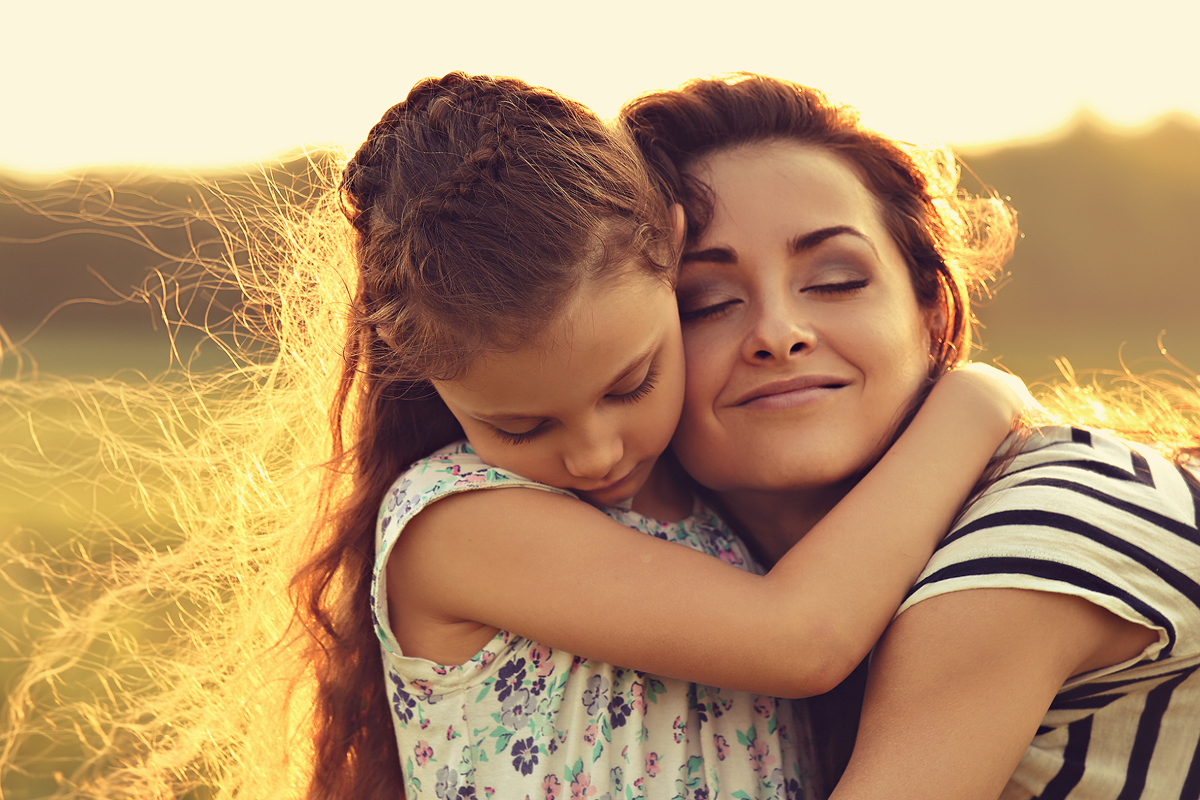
[508,437]
[641,390]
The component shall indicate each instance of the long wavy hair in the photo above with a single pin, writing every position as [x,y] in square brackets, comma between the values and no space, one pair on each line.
[478,206]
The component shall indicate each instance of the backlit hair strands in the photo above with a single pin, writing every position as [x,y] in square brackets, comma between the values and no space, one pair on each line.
[475,207]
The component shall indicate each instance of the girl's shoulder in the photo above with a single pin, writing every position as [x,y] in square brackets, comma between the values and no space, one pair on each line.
[453,469]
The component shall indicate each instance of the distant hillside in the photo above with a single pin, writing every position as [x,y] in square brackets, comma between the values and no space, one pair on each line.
[1110,254]
[1111,246]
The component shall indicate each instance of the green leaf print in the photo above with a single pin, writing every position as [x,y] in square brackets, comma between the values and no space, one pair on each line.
[605,729]
[596,751]
[502,739]
[773,723]
[653,689]
[694,764]
[487,687]
[740,795]
[742,740]
[574,769]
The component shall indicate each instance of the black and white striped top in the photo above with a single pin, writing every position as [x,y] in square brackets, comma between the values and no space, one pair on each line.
[1079,512]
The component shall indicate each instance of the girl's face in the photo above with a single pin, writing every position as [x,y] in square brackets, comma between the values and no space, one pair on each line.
[803,337]
[592,403]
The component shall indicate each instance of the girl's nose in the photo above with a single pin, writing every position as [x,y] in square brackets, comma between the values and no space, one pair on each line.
[594,453]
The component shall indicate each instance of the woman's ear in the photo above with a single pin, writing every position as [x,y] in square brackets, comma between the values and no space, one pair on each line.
[935,324]
[678,225]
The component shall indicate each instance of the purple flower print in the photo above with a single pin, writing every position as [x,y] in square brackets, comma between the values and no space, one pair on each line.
[510,677]
[446,787]
[515,711]
[524,755]
[595,696]
[551,785]
[423,752]
[618,710]
[403,704]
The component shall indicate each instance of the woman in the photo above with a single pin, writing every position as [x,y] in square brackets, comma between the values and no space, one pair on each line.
[818,256]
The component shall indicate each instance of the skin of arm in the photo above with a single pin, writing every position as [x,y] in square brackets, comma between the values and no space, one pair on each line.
[558,571]
[960,682]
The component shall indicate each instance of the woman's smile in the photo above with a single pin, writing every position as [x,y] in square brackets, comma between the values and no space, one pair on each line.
[791,392]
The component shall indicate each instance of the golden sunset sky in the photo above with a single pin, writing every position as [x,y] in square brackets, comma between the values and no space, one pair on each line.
[195,84]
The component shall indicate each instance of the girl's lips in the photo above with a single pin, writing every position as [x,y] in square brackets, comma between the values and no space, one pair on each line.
[791,392]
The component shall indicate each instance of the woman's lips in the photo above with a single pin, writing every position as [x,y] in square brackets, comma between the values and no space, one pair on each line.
[791,393]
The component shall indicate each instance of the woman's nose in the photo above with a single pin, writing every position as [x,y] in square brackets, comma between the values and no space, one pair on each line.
[779,333]
[594,452]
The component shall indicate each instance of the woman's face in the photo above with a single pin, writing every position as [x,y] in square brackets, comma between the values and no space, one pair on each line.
[803,338]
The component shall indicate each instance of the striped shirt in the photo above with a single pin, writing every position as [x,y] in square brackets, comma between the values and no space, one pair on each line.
[1079,512]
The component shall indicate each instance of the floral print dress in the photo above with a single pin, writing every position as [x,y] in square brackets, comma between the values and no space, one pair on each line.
[524,720]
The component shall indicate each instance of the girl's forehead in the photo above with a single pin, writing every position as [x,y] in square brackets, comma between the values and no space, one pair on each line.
[605,331]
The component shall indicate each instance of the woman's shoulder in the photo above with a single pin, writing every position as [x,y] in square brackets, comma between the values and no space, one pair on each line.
[1081,512]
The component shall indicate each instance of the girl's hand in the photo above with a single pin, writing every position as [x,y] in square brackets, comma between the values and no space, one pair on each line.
[1003,391]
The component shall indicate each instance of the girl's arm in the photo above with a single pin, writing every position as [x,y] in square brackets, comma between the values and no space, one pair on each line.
[960,682]
[558,571]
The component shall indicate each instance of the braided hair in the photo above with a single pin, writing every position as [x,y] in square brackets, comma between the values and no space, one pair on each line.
[478,205]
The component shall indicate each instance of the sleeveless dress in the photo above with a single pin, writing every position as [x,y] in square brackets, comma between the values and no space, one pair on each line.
[521,719]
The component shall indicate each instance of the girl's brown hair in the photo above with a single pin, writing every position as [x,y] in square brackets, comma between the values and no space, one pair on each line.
[479,205]
[952,243]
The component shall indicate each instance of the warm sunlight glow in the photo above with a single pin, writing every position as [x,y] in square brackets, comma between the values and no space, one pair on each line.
[137,82]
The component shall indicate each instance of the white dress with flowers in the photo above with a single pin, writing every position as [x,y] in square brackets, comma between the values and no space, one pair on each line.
[523,720]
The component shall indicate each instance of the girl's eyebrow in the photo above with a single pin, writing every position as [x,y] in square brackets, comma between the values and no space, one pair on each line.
[807,241]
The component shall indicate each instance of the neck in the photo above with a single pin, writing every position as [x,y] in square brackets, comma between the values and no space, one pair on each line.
[666,496]
[772,521]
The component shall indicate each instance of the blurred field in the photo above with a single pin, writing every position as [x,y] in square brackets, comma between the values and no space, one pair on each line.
[1110,257]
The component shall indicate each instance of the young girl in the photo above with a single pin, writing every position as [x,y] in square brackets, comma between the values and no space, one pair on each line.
[515,287]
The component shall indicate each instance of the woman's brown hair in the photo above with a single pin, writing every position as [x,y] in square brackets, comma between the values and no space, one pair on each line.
[478,205]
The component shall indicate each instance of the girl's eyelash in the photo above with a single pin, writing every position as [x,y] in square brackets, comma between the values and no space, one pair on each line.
[517,438]
[641,391]
[707,311]
[839,288]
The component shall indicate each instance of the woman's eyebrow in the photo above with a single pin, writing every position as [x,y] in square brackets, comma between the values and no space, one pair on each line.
[807,241]
[810,240]
[711,255]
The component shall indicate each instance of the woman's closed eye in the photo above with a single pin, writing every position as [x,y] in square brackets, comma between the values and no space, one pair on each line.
[838,287]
